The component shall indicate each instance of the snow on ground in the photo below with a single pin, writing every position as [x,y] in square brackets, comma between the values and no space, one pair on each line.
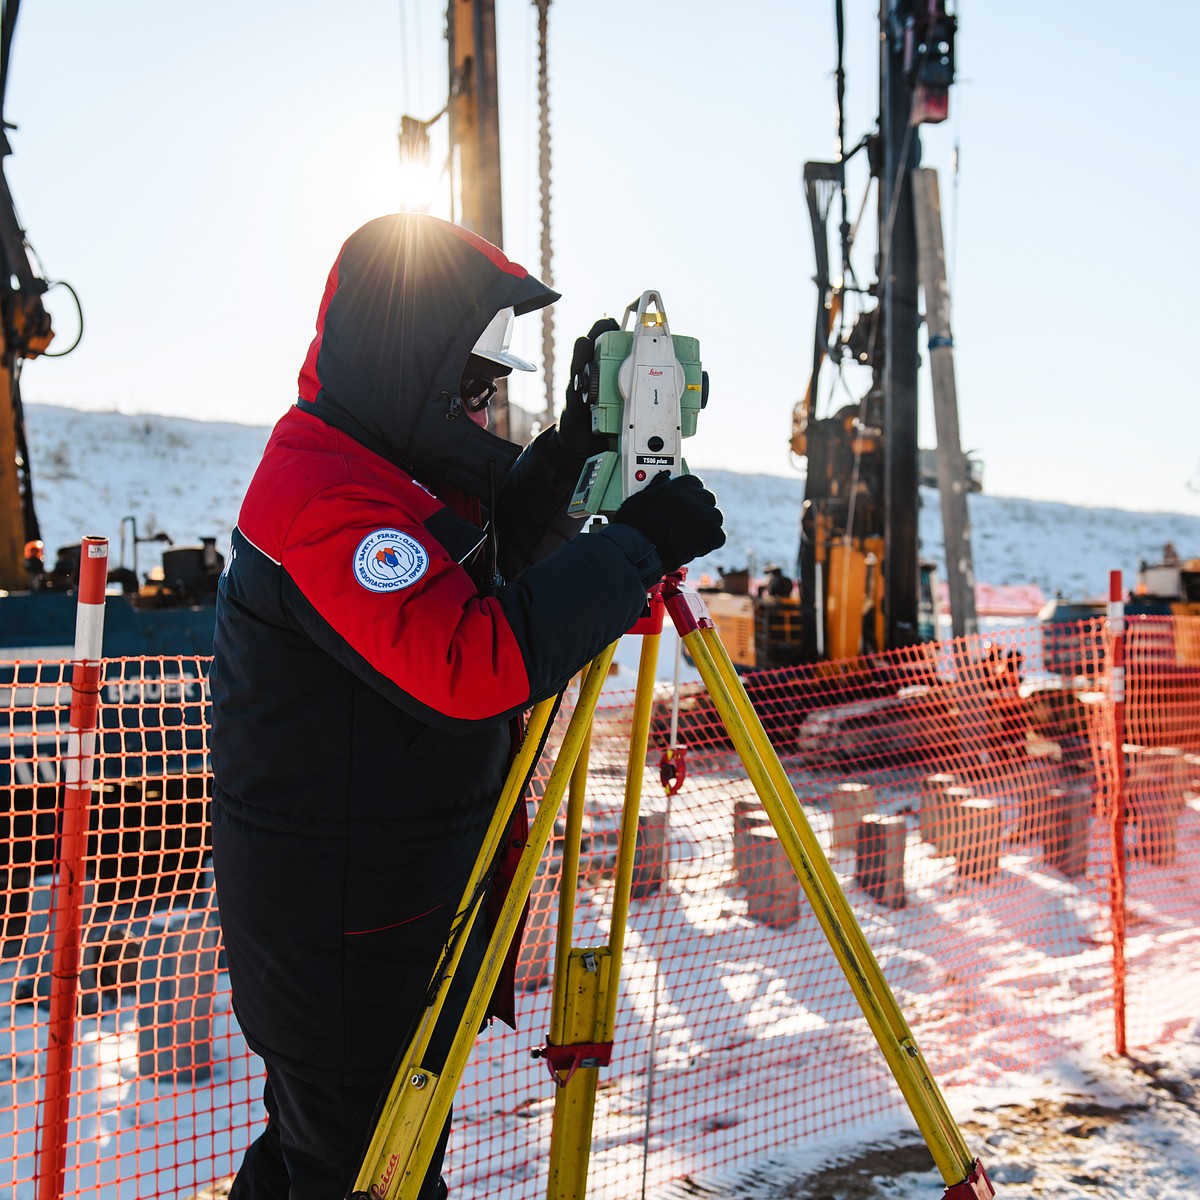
[1075,1126]
[1114,1128]
[1080,1126]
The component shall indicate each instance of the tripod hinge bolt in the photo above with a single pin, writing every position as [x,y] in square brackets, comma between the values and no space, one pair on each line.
[419,1080]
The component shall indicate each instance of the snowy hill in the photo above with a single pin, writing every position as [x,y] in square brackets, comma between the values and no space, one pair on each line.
[186,478]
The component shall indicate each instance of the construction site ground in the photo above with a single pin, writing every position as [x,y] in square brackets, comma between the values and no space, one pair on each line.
[1129,1129]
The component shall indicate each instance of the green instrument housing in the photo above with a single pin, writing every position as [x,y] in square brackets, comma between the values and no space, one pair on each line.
[601,488]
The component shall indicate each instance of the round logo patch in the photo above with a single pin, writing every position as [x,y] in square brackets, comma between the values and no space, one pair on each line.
[388,560]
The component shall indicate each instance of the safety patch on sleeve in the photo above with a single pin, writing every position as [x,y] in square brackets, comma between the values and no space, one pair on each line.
[388,560]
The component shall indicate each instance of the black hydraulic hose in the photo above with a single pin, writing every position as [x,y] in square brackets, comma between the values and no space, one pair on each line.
[79,309]
[844,229]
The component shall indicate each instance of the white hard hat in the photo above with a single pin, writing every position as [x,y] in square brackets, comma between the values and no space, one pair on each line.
[493,342]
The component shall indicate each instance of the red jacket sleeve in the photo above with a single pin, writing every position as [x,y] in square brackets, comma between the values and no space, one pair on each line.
[401,604]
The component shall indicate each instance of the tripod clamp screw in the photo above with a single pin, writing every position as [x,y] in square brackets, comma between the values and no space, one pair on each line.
[419,1080]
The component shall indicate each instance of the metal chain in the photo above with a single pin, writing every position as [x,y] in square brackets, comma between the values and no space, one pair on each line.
[543,7]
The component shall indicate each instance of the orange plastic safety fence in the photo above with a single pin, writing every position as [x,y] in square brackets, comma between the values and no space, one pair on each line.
[1161,780]
[163,1090]
[965,794]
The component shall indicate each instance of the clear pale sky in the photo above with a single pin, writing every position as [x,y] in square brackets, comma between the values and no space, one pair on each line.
[192,169]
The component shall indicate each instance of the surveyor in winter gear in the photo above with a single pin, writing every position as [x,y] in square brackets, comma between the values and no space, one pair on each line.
[402,585]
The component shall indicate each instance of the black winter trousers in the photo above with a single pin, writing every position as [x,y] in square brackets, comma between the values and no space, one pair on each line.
[313,1144]
[317,1133]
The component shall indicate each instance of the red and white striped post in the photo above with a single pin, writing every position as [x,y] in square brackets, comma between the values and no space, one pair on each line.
[1116,675]
[68,883]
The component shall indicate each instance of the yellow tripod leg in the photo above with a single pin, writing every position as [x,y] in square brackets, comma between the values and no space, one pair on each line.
[577,985]
[635,769]
[582,985]
[419,1101]
[584,1008]
[829,902]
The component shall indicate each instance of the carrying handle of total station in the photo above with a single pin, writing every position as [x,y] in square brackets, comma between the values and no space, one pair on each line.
[639,307]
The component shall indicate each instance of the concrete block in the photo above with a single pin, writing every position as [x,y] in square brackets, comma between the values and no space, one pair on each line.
[980,835]
[747,815]
[1156,833]
[108,965]
[879,858]
[848,805]
[931,817]
[111,943]
[772,889]
[749,812]
[1191,773]
[651,855]
[951,831]
[1155,796]
[177,980]
[1034,817]
[1065,830]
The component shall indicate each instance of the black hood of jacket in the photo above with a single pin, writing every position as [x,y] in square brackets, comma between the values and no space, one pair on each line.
[406,301]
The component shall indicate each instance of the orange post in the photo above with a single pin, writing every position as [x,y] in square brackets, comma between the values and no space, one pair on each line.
[1116,626]
[66,902]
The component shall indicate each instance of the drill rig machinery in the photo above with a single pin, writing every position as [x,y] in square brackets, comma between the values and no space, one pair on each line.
[862,584]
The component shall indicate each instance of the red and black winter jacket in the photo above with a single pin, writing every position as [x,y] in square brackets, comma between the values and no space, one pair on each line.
[367,666]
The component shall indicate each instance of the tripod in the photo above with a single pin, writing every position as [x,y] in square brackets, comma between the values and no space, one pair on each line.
[586,980]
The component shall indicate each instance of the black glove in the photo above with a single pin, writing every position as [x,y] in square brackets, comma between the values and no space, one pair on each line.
[575,425]
[680,516]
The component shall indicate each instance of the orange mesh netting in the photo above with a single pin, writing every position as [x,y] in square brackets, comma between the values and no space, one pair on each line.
[966,794]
